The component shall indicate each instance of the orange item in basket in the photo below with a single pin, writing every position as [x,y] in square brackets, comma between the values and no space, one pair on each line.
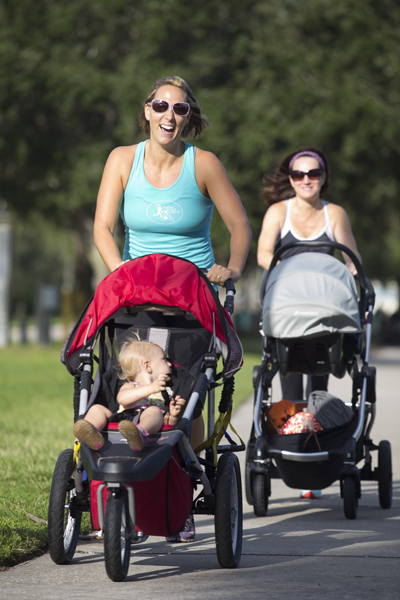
[279,413]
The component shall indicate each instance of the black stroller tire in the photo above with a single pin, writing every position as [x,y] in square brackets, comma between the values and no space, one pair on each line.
[117,536]
[228,512]
[350,498]
[260,494]
[63,529]
[247,477]
[385,474]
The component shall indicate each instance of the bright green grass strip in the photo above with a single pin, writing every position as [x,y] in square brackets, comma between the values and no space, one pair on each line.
[35,427]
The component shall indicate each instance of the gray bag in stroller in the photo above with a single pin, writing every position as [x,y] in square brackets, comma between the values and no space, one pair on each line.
[329,410]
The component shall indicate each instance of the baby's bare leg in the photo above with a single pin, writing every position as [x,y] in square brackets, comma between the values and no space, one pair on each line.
[151,419]
[97,415]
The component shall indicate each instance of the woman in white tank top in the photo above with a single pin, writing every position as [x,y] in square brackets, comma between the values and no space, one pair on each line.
[297,212]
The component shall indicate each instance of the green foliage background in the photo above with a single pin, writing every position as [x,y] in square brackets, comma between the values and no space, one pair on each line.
[271,76]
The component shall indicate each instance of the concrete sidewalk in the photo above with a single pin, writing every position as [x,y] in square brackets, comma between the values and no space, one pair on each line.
[303,549]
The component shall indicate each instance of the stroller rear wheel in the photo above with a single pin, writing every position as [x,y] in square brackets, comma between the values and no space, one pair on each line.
[63,529]
[117,535]
[385,475]
[350,497]
[260,494]
[228,512]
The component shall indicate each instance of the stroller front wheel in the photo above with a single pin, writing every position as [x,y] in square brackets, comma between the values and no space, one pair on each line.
[350,498]
[260,494]
[63,528]
[117,536]
[385,474]
[248,478]
[228,512]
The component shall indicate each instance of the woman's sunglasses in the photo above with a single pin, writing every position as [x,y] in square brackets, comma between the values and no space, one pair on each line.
[181,109]
[313,174]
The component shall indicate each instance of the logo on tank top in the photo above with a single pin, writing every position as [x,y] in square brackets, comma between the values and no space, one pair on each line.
[164,213]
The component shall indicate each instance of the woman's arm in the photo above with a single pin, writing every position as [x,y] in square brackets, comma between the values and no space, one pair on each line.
[213,181]
[343,234]
[271,227]
[113,183]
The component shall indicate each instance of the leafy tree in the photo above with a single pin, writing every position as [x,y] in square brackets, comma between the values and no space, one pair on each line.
[271,76]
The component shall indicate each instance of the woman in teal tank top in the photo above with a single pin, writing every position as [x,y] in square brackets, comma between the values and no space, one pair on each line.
[157,218]
[166,189]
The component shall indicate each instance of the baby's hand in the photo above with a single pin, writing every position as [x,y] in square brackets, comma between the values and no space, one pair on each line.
[160,383]
[175,406]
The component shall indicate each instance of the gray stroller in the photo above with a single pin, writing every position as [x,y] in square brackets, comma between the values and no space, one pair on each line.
[317,320]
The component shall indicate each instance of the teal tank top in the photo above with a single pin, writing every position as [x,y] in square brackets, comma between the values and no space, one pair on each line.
[174,220]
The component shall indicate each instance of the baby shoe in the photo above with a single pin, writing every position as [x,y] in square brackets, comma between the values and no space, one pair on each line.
[88,434]
[134,434]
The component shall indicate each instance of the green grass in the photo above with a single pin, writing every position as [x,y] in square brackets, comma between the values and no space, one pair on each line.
[35,426]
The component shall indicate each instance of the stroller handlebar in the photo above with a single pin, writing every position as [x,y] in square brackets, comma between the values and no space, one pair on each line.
[230,294]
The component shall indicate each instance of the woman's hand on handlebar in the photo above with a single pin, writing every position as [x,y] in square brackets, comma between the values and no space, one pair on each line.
[120,264]
[218,275]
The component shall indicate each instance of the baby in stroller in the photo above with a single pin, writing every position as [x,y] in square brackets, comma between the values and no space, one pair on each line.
[146,370]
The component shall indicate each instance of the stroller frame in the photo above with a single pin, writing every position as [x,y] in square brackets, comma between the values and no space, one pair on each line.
[119,469]
[265,462]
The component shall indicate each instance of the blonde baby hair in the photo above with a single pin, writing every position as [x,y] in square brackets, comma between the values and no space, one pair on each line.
[131,355]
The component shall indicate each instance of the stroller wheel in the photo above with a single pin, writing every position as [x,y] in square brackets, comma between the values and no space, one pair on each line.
[260,494]
[228,512]
[63,529]
[247,478]
[350,498]
[385,475]
[117,535]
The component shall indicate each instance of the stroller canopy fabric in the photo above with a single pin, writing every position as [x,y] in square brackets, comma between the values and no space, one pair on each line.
[310,295]
[155,280]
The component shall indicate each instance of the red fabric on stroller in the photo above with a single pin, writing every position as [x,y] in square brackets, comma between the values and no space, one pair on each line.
[149,280]
[162,504]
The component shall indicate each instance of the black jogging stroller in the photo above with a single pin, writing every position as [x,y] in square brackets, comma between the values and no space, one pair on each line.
[131,495]
[316,320]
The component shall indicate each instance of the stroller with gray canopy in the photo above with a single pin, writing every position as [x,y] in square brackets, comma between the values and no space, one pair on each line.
[313,318]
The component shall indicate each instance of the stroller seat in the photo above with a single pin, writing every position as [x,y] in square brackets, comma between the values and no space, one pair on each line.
[323,355]
[311,309]
[117,462]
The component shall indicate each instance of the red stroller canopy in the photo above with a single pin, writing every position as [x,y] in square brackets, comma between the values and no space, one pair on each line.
[155,280]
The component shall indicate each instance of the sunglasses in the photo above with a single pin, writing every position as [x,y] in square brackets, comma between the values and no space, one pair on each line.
[181,109]
[313,174]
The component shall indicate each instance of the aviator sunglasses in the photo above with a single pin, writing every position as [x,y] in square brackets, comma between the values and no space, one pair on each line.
[313,174]
[181,109]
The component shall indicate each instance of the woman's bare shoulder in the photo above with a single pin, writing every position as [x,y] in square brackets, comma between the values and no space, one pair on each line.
[205,159]
[123,153]
[336,212]
[277,210]
[274,218]
[119,163]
